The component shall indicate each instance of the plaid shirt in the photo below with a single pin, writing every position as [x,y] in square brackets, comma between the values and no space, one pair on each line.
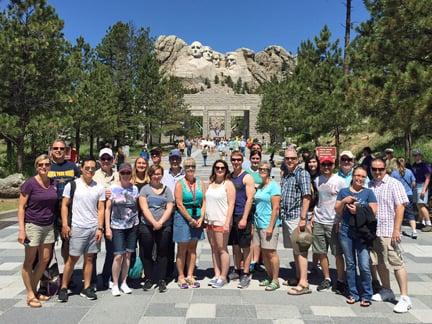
[295,185]
[389,193]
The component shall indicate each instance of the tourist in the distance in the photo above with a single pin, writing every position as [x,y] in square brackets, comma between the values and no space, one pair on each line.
[220,198]
[36,210]
[157,202]
[121,216]
[422,173]
[188,219]
[266,225]
[348,202]
[407,178]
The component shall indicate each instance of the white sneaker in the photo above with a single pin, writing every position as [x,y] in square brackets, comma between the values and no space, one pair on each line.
[115,291]
[384,295]
[125,288]
[110,284]
[404,305]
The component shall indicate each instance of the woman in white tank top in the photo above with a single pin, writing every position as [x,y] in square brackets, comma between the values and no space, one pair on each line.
[220,198]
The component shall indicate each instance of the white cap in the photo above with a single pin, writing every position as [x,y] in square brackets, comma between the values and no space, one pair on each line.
[106,150]
[347,154]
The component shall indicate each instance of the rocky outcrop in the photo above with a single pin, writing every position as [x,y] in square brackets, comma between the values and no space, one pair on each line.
[198,64]
[10,186]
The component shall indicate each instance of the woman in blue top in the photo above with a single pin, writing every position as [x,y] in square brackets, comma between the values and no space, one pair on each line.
[266,221]
[188,219]
[407,178]
[346,205]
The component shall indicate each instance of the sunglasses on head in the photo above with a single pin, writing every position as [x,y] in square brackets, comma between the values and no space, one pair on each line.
[46,165]
[57,148]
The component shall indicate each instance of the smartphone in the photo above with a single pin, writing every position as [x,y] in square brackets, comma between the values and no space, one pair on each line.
[26,242]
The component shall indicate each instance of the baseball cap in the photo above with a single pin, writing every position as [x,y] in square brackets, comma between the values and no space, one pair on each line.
[106,150]
[303,239]
[326,159]
[156,151]
[416,152]
[388,150]
[175,153]
[125,167]
[347,154]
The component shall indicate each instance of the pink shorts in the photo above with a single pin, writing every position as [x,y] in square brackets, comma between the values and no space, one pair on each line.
[215,228]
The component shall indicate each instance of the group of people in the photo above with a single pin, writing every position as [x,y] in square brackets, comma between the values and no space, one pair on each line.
[357,218]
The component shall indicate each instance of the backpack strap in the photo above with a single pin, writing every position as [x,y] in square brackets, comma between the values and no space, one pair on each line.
[71,194]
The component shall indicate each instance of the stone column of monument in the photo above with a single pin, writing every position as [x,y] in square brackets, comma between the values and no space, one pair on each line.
[228,123]
[205,123]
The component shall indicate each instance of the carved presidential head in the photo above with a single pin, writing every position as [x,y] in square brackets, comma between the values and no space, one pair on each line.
[196,49]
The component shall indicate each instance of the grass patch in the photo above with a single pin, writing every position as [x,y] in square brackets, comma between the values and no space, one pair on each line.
[8,204]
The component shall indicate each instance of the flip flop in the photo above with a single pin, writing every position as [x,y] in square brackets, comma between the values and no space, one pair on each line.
[350,300]
[34,303]
[299,290]
[43,298]
[365,303]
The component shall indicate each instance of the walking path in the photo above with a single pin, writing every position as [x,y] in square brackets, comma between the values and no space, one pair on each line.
[208,305]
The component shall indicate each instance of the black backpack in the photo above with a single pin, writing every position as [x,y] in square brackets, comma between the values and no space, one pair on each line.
[72,192]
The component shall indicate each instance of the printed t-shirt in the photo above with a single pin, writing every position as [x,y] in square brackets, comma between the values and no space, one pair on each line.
[124,206]
[63,173]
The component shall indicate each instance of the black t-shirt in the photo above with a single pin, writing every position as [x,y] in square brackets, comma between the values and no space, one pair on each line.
[62,174]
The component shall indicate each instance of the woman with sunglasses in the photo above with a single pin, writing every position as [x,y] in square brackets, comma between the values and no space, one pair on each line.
[36,209]
[266,223]
[188,218]
[157,202]
[121,214]
[220,198]
[347,202]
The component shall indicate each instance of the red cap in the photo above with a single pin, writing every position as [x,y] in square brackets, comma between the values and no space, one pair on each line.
[326,159]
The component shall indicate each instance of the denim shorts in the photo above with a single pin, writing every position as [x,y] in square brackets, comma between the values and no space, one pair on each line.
[124,240]
[183,232]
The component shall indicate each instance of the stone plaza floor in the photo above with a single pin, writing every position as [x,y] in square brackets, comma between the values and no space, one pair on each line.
[209,305]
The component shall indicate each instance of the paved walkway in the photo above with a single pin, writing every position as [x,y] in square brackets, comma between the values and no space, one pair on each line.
[207,305]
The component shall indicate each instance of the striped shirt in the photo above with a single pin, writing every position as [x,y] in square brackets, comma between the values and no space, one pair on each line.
[295,185]
[389,193]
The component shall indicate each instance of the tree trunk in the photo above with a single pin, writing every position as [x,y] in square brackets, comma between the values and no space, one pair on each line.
[77,139]
[347,36]
[337,144]
[91,143]
[20,154]
[407,143]
[9,150]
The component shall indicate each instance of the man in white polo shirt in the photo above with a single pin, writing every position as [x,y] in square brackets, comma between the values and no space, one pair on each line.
[88,203]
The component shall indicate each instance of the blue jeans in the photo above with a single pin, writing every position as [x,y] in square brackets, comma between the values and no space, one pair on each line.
[354,250]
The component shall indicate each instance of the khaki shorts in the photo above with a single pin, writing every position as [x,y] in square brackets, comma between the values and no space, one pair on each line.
[39,235]
[384,252]
[325,237]
[288,227]
[262,240]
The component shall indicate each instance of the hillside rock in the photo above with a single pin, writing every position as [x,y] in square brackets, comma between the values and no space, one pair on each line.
[10,186]
[196,62]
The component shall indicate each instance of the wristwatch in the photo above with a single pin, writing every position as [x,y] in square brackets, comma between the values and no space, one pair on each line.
[101,229]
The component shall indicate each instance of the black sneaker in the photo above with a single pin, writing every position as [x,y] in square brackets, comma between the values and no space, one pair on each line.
[324,285]
[234,275]
[162,286]
[340,288]
[88,293]
[148,284]
[376,286]
[63,295]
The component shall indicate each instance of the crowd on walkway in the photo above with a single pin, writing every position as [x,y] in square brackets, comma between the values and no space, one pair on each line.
[142,211]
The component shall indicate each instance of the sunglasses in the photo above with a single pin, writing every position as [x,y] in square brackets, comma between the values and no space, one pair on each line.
[219,168]
[126,173]
[236,159]
[378,169]
[190,166]
[289,158]
[46,165]
[106,159]
[263,169]
[57,148]
[157,175]
[90,169]
[346,160]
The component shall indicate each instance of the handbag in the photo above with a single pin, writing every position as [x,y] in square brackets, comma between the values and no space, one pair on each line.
[52,279]
[135,271]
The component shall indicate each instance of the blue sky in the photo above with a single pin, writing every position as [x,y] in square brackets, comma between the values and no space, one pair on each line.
[223,25]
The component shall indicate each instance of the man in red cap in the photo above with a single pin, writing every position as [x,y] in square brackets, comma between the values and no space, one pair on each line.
[326,224]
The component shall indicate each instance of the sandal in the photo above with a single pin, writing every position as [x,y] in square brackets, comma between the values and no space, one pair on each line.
[34,303]
[293,282]
[272,286]
[299,290]
[193,283]
[351,300]
[43,298]
[264,283]
[365,303]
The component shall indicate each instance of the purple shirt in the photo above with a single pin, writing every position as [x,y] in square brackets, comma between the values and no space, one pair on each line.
[420,171]
[40,204]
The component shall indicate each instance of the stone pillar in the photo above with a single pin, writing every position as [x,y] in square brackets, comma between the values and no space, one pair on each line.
[227,123]
[205,122]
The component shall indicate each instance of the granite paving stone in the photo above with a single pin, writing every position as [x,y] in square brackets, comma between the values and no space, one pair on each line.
[232,311]
[277,312]
[44,315]
[201,311]
[164,310]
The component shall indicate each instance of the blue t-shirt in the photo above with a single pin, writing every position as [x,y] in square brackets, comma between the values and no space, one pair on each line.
[364,197]
[263,205]
[406,180]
